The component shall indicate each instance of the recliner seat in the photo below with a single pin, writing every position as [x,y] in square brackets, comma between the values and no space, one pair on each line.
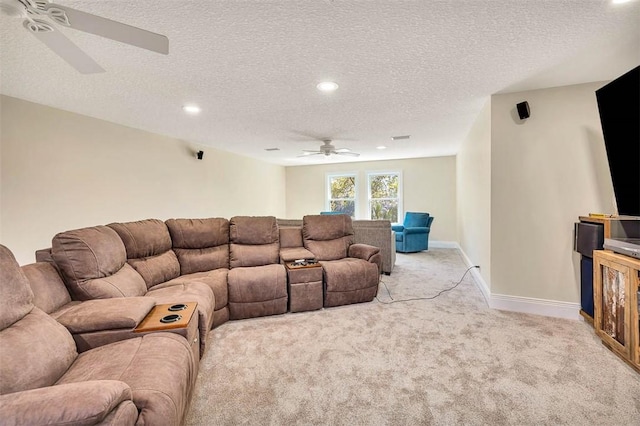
[351,271]
[257,281]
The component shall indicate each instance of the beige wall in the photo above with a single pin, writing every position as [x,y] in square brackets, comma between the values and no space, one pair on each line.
[473,168]
[546,171]
[61,171]
[429,185]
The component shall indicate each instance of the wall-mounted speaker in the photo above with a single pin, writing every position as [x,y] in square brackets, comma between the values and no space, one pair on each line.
[523,110]
[200,154]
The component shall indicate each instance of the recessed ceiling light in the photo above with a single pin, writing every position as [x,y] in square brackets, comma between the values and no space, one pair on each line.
[191,109]
[327,86]
[381,147]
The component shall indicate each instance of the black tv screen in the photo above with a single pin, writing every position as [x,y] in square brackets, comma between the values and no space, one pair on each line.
[619,107]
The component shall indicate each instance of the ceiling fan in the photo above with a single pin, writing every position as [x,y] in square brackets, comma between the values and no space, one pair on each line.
[328,149]
[34,10]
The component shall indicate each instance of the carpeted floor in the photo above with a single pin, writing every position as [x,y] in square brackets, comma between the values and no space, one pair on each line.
[446,361]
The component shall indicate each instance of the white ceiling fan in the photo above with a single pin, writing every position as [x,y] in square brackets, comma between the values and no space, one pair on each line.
[34,10]
[328,149]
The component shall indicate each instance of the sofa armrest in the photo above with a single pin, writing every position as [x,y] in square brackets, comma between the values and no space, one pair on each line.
[82,403]
[363,251]
[397,228]
[106,314]
[416,230]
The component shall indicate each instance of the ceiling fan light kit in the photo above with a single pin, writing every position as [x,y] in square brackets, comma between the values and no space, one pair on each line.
[33,10]
[328,149]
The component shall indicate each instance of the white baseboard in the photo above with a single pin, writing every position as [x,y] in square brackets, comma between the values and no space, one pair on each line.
[527,305]
[443,244]
[478,279]
[530,305]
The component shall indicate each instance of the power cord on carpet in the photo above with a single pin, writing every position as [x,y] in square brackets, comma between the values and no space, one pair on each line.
[423,298]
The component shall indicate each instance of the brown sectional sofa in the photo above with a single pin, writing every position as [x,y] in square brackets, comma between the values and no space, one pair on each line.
[96,284]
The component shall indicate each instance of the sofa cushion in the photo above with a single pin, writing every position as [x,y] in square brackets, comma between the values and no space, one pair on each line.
[198,233]
[34,353]
[200,244]
[92,262]
[257,291]
[253,230]
[349,281]
[158,367]
[328,237]
[253,241]
[148,250]
[289,254]
[49,291]
[78,404]
[215,279]
[16,297]
[290,237]
[258,255]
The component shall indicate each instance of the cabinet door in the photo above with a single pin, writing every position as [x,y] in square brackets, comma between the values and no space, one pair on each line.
[613,316]
[635,316]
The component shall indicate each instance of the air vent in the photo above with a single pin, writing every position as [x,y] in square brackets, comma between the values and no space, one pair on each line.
[272,149]
[397,138]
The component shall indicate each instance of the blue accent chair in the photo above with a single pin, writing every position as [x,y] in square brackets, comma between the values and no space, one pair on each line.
[331,213]
[413,235]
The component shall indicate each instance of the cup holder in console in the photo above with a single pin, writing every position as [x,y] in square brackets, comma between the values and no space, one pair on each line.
[168,319]
[177,307]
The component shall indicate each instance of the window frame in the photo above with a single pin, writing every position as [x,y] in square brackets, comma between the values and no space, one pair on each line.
[328,199]
[399,198]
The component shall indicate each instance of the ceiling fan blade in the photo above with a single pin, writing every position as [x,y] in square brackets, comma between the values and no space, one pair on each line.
[104,27]
[351,154]
[310,153]
[62,46]
[312,150]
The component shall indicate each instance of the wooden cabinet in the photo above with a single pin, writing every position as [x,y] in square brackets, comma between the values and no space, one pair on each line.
[616,283]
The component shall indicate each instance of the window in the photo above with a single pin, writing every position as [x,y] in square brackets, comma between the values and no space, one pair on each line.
[342,194]
[385,189]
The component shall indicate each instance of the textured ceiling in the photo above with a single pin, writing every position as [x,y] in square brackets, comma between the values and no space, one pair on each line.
[419,68]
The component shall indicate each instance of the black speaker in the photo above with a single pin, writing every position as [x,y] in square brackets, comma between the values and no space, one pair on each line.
[200,154]
[523,110]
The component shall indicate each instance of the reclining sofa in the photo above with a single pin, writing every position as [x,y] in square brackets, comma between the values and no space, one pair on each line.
[44,380]
[71,317]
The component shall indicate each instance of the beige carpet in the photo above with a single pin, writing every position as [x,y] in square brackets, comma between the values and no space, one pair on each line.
[446,361]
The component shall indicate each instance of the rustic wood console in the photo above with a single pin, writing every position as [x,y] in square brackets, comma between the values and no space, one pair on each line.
[616,283]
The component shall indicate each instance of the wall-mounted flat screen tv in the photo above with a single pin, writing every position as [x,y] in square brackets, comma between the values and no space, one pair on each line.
[619,107]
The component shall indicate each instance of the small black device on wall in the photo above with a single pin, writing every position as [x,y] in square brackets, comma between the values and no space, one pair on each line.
[200,154]
[523,110]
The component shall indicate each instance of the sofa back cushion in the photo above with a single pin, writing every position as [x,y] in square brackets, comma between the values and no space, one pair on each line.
[93,263]
[290,237]
[148,250]
[34,349]
[253,241]
[200,244]
[16,295]
[328,237]
[49,291]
